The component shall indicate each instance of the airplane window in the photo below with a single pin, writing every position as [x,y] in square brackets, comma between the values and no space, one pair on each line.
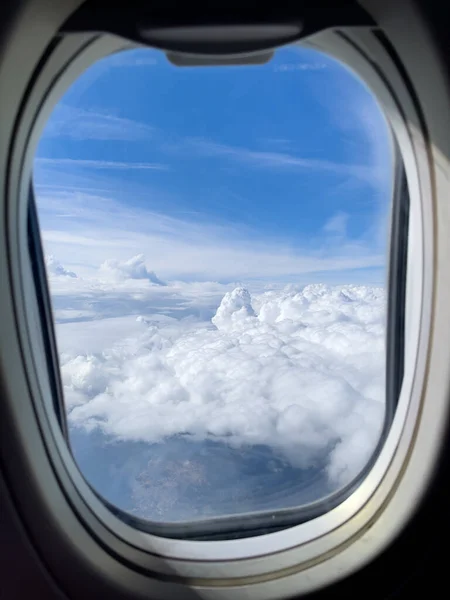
[216,244]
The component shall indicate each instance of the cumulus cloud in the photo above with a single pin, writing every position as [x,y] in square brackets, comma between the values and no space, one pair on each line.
[299,371]
[236,306]
[54,267]
[133,268]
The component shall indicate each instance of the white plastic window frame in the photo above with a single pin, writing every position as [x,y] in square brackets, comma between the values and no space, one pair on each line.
[304,557]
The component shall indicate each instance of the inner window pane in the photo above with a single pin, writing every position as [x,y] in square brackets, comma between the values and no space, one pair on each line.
[216,247]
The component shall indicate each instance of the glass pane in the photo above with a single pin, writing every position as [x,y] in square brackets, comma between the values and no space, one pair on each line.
[216,248]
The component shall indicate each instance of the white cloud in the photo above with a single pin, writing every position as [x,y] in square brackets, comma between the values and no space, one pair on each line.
[299,371]
[133,268]
[54,267]
[236,307]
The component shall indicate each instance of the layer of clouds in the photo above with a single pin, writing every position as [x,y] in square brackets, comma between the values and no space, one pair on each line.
[300,370]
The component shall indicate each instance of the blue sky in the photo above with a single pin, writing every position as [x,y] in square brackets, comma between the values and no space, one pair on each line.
[292,156]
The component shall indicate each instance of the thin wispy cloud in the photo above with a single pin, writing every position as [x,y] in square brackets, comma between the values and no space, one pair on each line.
[337,224]
[186,249]
[304,66]
[360,121]
[127,130]
[278,160]
[86,125]
[77,124]
[80,124]
[100,164]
